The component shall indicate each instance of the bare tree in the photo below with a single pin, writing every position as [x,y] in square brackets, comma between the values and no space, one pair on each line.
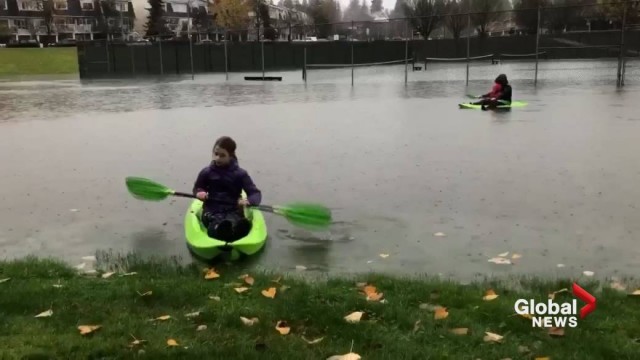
[487,13]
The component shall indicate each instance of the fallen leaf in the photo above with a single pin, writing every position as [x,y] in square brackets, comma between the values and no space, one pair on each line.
[88,329]
[249,322]
[129,274]
[439,234]
[277,281]
[89,258]
[429,307]
[500,261]
[560,265]
[527,316]
[490,295]
[503,254]
[311,342]
[136,342]
[460,331]
[193,314]
[47,313]
[492,337]
[282,327]
[553,294]
[588,273]
[240,290]
[361,285]
[384,256]
[249,280]
[4,280]
[372,293]
[201,328]
[57,286]
[107,274]
[556,331]
[270,293]
[148,293]
[543,358]
[301,267]
[635,293]
[515,256]
[162,318]
[354,317]
[416,326]
[214,298]
[73,210]
[349,356]
[440,313]
[171,342]
[81,266]
[211,274]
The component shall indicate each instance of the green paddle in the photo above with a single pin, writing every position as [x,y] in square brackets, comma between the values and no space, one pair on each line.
[306,215]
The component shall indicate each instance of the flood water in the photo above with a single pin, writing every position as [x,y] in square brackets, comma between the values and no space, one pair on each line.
[556,181]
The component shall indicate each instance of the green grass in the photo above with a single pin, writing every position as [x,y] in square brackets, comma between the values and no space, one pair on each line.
[313,308]
[35,61]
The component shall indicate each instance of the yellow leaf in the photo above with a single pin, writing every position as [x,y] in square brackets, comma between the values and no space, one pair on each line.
[240,290]
[211,274]
[88,329]
[372,293]
[555,331]
[440,313]
[148,293]
[553,294]
[249,322]
[354,317]
[543,358]
[282,327]
[384,256]
[311,342]
[4,280]
[171,342]
[45,313]
[136,342]
[500,261]
[270,293]
[459,331]
[515,256]
[107,274]
[490,295]
[215,298]
[635,293]
[492,337]
[163,317]
[526,316]
[349,356]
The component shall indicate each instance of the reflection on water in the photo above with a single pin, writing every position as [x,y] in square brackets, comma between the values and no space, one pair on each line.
[554,181]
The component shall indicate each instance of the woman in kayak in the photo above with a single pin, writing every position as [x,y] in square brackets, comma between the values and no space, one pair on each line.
[500,94]
[220,185]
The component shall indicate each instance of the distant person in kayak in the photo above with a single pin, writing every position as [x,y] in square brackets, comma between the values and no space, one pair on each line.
[500,94]
[220,185]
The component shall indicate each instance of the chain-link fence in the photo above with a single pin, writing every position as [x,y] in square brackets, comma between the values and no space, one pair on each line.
[529,32]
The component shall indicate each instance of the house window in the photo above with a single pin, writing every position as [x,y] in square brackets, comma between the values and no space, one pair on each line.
[164,7]
[20,24]
[30,6]
[122,6]
[3,4]
[87,6]
[60,5]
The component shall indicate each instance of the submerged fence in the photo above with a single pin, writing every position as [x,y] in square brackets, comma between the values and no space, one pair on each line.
[605,30]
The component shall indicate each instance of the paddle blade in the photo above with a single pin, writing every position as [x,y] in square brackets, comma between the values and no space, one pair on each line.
[146,189]
[307,215]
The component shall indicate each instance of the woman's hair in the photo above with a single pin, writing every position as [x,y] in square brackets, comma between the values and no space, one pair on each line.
[228,144]
[502,79]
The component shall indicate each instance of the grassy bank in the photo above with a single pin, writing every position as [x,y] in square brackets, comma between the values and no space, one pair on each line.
[35,61]
[400,324]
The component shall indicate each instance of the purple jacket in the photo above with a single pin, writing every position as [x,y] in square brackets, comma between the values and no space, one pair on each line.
[224,185]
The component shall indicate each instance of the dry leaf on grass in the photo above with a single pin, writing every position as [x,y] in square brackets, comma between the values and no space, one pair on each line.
[240,290]
[81,266]
[89,258]
[282,327]
[618,286]
[312,342]
[107,274]
[588,273]
[635,293]
[543,358]
[556,331]
[211,274]
[553,294]
[440,313]
[136,342]
[4,280]
[354,317]
[504,254]
[214,298]
[88,329]
[416,326]
[57,286]
[515,256]
[384,256]
[270,293]
[47,313]
[439,234]
[172,342]
[349,356]
[523,349]
[372,293]
[249,322]
[129,274]
[148,293]
[193,314]
[490,295]
[301,267]
[201,328]
[492,337]
[459,331]
[162,318]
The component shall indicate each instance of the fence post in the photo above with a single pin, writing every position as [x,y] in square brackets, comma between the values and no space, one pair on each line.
[226,65]
[262,51]
[160,47]
[468,45]
[352,68]
[406,51]
[620,75]
[304,69]
[535,78]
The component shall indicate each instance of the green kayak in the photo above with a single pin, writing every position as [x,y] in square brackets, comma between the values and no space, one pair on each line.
[208,248]
[513,104]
